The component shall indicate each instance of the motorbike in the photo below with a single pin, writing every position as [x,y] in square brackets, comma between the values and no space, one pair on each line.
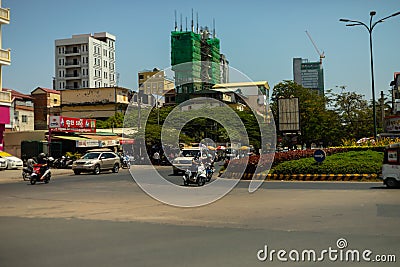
[41,172]
[27,171]
[209,171]
[125,163]
[198,177]
[62,163]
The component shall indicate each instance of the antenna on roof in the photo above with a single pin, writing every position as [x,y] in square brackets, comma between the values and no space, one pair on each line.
[186,23]
[197,19]
[192,21]
[213,28]
[181,21]
[176,23]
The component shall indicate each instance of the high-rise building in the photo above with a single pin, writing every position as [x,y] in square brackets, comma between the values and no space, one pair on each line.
[309,74]
[200,50]
[85,61]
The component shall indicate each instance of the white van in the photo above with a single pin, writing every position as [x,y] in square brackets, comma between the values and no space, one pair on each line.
[391,166]
[184,160]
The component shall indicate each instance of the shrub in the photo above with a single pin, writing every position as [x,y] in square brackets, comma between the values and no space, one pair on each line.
[353,162]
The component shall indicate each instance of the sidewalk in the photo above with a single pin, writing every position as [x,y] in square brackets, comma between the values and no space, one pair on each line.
[10,176]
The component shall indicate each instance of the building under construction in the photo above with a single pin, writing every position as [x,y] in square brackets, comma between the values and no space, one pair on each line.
[195,59]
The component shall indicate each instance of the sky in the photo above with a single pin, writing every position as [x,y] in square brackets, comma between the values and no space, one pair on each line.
[259,38]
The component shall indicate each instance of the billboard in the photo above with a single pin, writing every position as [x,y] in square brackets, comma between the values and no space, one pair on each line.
[289,114]
[66,124]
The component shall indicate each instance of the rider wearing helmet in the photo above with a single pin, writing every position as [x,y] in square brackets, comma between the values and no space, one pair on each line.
[42,158]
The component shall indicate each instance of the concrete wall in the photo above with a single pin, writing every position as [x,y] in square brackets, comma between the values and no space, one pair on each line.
[91,111]
[12,140]
[94,95]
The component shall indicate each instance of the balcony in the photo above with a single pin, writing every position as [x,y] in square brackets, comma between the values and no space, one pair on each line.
[5,98]
[72,64]
[72,76]
[5,57]
[73,52]
[71,87]
[4,15]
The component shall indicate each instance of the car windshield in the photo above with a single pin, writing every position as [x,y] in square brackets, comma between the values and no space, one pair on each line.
[190,152]
[92,155]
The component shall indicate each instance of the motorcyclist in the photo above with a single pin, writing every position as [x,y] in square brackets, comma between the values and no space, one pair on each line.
[42,160]
[195,164]
[29,164]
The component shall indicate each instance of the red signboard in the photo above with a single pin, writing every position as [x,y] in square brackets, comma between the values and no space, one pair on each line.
[66,124]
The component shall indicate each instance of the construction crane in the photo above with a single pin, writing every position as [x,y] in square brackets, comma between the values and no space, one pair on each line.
[321,55]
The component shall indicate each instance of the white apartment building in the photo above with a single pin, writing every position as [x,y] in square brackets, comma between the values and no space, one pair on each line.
[85,61]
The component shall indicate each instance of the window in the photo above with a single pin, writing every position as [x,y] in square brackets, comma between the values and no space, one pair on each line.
[24,118]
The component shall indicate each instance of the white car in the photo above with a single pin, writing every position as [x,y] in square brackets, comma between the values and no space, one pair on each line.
[11,161]
[184,161]
[3,164]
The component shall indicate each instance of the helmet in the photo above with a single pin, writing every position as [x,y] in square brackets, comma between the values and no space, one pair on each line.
[41,156]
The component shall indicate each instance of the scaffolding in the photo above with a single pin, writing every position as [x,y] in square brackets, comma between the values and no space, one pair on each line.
[201,53]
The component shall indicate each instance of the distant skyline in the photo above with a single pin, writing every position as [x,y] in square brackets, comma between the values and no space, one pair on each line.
[259,38]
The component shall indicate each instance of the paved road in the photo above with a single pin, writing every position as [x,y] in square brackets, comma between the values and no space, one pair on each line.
[107,220]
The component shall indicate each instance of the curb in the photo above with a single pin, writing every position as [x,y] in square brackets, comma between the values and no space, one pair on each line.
[306,177]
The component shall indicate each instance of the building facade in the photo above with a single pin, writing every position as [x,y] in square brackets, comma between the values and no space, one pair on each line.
[200,50]
[5,60]
[309,74]
[46,102]
[85,61]
[21,112]
[96,103]
[153,86]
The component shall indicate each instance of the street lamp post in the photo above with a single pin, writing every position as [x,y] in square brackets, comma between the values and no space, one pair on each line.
[369,29]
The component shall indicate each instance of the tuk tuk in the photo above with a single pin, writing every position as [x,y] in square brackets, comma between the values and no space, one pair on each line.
[391,166]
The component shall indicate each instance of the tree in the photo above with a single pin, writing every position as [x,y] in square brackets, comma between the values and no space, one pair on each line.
[354,113]
[317,123]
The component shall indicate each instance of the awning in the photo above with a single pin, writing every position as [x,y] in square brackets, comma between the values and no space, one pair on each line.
[73,138]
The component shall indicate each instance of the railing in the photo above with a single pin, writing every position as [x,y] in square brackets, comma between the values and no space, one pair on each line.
[5,55]
[5,96]
[72,75]
[72,51]
[5,14]
[71,87]
[73,63]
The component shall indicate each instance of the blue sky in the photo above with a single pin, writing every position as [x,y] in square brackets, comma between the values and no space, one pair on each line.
[259,38]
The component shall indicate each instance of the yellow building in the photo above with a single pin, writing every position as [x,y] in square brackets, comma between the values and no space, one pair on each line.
[100,103]
[154,82]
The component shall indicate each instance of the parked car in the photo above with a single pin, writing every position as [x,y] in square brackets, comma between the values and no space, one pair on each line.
[12,162]
[3,164]
[97,161]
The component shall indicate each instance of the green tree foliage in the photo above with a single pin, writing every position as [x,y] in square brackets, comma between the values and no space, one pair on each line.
[317,123]
[116,121]
[354,113]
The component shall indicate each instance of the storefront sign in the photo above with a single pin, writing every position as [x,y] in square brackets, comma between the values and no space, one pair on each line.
[66,124]
[87,143]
